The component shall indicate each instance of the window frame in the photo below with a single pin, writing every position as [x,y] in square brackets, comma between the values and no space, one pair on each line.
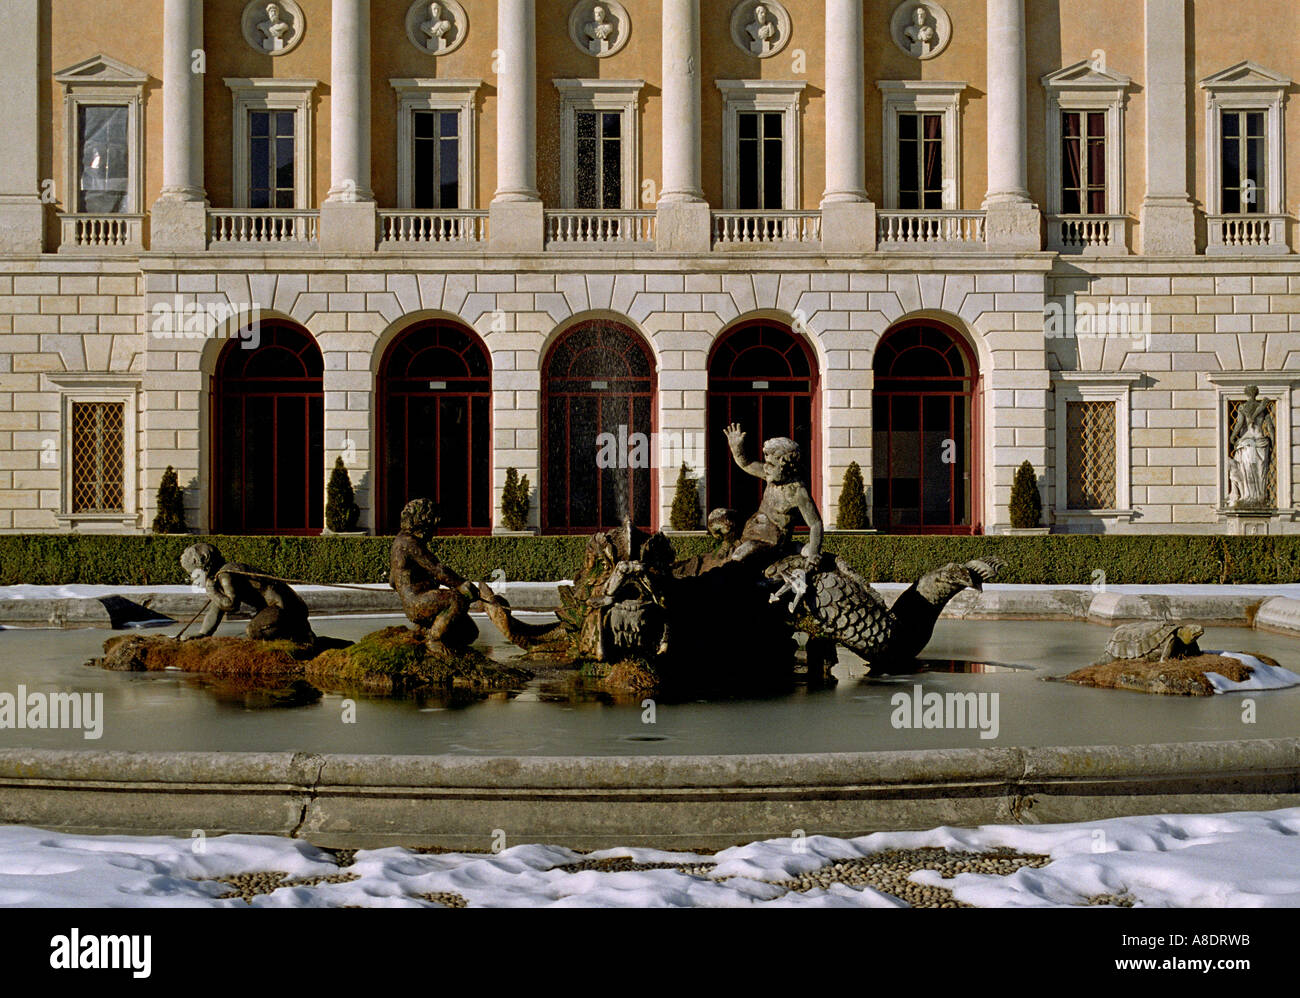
[94,387]
[922,97]
[1088,386]
[264,94]
[784,96]
[1082,88]
[1246,86]
[98,81]
[623,96]
[426,94]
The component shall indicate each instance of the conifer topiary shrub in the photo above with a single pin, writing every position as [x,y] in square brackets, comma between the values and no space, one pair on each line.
[853,513]
[686,501]
[515,501]
[1026,503]
[170,518]
[341,511]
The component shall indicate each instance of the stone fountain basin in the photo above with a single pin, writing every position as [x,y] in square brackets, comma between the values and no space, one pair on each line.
[173,758]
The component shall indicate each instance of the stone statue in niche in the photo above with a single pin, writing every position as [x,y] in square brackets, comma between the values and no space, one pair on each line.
[600,31]
[275,30]
[762,31]
[436,28]
[1251,440]
[920,34]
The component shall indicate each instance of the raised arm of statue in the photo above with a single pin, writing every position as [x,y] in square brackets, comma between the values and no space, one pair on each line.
[736,443]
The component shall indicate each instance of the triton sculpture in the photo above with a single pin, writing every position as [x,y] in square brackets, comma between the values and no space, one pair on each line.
[729,618]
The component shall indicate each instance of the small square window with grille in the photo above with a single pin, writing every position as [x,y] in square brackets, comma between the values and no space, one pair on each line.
[1090,454]
[1234,434]
[98,448]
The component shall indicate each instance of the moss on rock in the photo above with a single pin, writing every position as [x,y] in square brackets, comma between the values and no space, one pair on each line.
[1175,677]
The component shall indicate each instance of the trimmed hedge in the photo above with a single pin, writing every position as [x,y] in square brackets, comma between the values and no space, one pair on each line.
[51,559]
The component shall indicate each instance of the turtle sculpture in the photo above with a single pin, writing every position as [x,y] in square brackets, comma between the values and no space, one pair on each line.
[1154,641]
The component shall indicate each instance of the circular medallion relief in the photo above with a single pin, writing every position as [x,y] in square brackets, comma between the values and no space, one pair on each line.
[921,28]
[760,27]
[438,27]
[273,28]
[599,28]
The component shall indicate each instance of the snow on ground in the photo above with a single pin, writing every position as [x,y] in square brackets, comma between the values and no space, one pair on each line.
[1248,859]
[1265,676]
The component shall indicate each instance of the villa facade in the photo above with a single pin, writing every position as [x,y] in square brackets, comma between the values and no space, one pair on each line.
[937,238]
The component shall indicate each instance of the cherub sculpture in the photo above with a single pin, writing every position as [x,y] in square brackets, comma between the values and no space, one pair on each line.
[419,579]
[280,612]
[768,530]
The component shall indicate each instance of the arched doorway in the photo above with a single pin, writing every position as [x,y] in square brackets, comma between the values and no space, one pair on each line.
[434,427]
[926,431]
[268,430]
[763,376]
[598,415]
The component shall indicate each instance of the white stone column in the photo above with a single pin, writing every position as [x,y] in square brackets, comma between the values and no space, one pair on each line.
[1013,221]
[1168,213]
[179,216]
[515,215]
[683,219]
[848,217]
[348,220]
[21,210]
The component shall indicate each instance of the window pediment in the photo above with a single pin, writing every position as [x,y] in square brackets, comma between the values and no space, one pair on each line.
[102,70]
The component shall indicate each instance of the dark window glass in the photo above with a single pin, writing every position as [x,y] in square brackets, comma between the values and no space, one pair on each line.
[271,168]
[598,173]
[920,161]
[760,161]
[435,172]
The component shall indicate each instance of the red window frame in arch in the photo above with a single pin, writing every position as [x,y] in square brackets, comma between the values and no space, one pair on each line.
[441,370]
[946,345]
[770,354]
[272,381]
[596,363]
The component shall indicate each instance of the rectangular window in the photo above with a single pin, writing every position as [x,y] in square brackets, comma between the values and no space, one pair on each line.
[761,160]
[920,161]
[1083,162]
[436,167]
[271,145]
[1243,159]
[103,158]
[98,448]
[1090,454]
[598,177]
